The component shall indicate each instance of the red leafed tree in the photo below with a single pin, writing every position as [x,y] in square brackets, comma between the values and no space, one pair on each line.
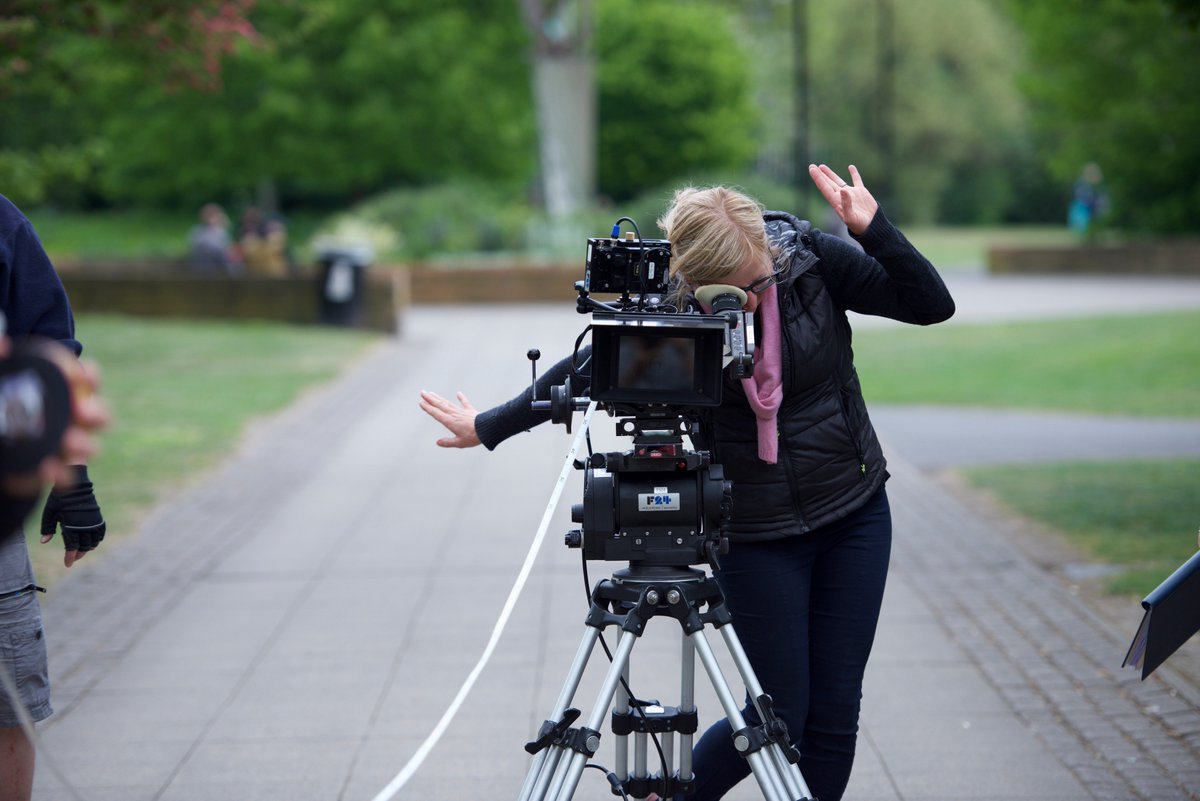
[182,41]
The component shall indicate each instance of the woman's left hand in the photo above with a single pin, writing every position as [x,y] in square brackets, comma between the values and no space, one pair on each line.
[852,202]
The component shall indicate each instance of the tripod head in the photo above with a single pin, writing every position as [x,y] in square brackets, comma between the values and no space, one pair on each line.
[658,503]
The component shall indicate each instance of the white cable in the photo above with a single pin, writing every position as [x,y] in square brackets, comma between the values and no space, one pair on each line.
[418,758]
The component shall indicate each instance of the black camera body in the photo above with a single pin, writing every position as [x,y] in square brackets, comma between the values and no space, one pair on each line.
[658,370]
[627,265]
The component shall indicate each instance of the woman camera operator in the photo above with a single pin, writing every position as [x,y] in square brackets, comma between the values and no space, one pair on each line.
[810,536]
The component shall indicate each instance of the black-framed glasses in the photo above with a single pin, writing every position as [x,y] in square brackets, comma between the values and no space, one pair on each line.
[766,282]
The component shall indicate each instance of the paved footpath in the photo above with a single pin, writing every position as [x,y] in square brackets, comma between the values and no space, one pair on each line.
[294,624]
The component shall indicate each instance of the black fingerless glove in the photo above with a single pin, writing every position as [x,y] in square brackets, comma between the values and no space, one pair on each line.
[78,512]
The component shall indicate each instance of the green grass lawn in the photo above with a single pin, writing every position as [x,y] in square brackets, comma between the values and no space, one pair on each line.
[965,247]
[1141,516]
[181,394]
[149,235]
[71,237]
[1139,365]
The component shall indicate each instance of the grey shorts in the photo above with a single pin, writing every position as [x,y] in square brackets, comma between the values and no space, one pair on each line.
[23,656]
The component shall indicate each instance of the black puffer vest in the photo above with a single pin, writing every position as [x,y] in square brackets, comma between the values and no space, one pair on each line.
[830,461]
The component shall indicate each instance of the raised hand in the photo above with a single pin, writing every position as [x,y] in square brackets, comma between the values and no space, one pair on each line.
[852,201]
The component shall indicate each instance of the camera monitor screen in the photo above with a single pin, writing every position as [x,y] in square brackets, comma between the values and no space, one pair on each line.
[640,362]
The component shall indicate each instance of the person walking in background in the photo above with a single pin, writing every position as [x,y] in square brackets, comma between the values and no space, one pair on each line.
[1089,201]
[810,531]
[35,305]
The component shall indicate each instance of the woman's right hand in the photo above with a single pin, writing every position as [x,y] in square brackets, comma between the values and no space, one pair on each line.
[458,418]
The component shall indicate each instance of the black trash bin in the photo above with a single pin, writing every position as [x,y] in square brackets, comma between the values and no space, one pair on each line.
[340,284]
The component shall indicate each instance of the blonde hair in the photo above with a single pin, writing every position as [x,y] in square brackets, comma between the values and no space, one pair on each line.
[713,231]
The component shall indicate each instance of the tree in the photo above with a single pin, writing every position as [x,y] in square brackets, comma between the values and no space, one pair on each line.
[329,101]
[1114,82]
[675,94]
[181,40]
[920,90]
[50,148]
[564,86]
[348,97]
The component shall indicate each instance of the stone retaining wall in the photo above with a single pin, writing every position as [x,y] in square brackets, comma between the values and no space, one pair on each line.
[174,293]
[1176,257]
[430,284]
[170,290]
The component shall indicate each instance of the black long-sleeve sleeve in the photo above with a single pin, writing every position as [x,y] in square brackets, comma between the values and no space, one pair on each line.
[32,297]
[888,278]
[501,422]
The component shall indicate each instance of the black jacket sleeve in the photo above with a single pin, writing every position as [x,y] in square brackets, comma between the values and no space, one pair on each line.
[31,295]
[887,278]
[498,424]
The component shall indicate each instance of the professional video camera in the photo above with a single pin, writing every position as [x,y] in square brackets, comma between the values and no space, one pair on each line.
[656,368]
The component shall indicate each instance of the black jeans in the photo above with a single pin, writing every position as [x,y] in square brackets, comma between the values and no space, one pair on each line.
[805,610]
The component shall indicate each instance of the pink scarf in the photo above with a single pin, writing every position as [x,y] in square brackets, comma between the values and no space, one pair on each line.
[764,389]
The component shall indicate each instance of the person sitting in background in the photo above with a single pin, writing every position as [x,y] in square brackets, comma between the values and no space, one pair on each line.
[263,244]
[209,243]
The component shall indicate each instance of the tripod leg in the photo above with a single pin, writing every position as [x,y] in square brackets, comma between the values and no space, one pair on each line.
[687,703]
[558,774]
[776,784]
[791,773]
[621,741]
[545,761]
[571,768]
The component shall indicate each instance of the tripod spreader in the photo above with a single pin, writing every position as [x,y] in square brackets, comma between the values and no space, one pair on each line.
[552,731]
[772,730]
[634,596]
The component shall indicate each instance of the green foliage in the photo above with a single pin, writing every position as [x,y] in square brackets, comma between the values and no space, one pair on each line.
[466,218]
[53,174]
[1142,365]
[944,147]
[179,42]
[329,99]
[956,122]
[674,92]
[1114,82]
[1138,515]
[454,217]
[647,207]
[349,97]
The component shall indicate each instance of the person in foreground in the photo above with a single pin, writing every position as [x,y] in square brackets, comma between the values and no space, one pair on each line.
[810,534]
[35,308]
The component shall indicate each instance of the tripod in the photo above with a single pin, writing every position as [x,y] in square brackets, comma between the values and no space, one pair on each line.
[629,600]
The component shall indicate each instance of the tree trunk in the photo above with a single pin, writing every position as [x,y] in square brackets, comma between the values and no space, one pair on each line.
[564,91]
[565,94]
